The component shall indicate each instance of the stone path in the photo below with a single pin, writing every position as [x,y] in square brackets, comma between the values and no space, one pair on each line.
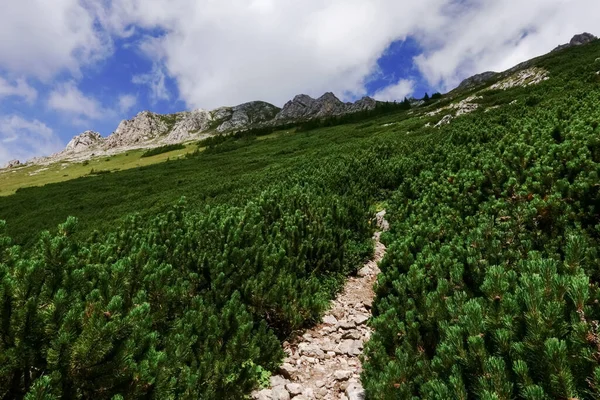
[324,362]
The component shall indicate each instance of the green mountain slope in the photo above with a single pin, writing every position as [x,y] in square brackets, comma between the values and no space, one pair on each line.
[489,288]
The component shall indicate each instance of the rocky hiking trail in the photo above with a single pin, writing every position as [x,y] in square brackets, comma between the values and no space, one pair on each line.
[323,363]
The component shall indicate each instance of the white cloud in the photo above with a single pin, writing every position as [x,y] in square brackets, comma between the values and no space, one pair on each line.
[20,88]
[231,51]
[155,80]
[126,102]
[398,91]
[67,98]
[41,38]
[482,35]
[23,139]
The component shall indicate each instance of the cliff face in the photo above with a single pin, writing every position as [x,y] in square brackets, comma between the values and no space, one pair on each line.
[85,141]
[142,128]
[304,107]
[577,40]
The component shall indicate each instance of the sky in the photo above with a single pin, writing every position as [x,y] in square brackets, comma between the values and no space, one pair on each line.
[67,66]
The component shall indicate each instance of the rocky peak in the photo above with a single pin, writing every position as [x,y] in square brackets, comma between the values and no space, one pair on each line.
[144,127]
[148,129]
[578,40]
[582,38]
[476,80]
[296,108]
[303,99]
[243,116]
[329,98]
[13,164]
[84,141]
[188,123]
[304,107]
[327,105]
[364,104]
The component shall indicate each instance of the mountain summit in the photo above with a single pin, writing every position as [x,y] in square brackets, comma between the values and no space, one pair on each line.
[148,129]
[578,40]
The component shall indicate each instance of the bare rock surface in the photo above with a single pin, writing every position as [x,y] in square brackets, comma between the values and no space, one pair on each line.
[526,77]
[13,164]
[85,141]
[144,127]
[188,124]
[578,40]
[476,80]
[303,107]
[148,130]
[323,362]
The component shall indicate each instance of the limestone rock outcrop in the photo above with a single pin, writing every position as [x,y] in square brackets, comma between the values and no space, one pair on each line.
[304,107]
[577,40]
[142,128]
[244,116]
[13,164]
[477,80]
[84,141]
[148,129]
[188,124]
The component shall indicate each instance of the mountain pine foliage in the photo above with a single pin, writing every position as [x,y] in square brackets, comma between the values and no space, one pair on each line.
[490,286]
[489,289]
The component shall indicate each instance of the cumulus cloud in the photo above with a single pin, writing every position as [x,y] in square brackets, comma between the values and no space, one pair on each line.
[23,139]
[19,88]
[231,51]
[67,98]
[481,35]
[42,38]
[398,91]
[155,81]
[126,102]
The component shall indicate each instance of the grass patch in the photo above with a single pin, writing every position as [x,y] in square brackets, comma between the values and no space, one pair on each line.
[163,149]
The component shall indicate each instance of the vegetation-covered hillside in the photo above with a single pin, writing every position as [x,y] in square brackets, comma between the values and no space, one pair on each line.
[489,288]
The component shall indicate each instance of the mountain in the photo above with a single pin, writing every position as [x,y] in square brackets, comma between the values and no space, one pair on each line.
[148,129]
[577,40]
[489,288]
[304,107]
[476,80]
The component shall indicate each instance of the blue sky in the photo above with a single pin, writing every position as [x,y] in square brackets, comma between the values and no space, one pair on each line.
[71,65]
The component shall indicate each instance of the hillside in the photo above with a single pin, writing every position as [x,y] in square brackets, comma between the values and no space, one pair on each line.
[181,279]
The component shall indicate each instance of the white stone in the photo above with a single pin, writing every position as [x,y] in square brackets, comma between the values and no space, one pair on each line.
[265,394]
[277,380]
[294,389]
[355,391]
[361,319]
[280,393]
[287,370]
[345,324]
[342,375]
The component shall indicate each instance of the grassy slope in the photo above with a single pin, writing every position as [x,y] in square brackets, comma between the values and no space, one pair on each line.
[36,175]
[208,178]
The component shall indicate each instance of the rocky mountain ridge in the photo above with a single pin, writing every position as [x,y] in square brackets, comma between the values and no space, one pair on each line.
[148,129]
[484,77]
[577,40]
